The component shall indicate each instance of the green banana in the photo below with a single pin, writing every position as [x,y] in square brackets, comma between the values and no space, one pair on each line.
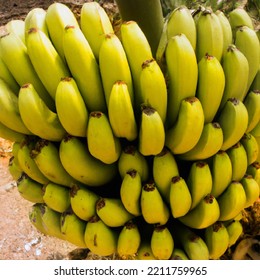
[131,184]
[221,171]
[181,67]
[178,254]
[99,238]
[231,201]
[79,163]
[162,243]
[57,197]
[249,143]
[233,120]
[83,201]
[121,112]
[14,169]
[254,170]
[190,121]
[102,143]
[238,157]
[36,115]
[164,169]
[179,197]
[252,103]
[84,68]
[69,102]
[130,158]
[151,132]
[16,26]
[251,189]
[217,240]
[234,229]
[58,15]
[145,251]
[154,209]
[256,131]
[10,134]
[210,142]
[35,217]
[211,84]
[95,24]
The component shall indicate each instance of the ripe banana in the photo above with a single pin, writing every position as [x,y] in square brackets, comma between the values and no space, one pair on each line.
[234,229]
[233,120]
[10,134]
[178,254]
[251,189]
[79,163]
[254,170]
[84,68]
[14,169]
[181,67]
[256,82]
[121,113]
[190,121]
[35,217]
[102,143]
[250,144]
[16,26]
[38,118]
[252,103]
[145,251]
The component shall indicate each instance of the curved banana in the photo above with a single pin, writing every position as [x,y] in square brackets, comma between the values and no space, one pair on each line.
[38,118]
[35,217]
[250,144]
[178,254]
[251,189]
[252,103]
[256,82]
[254,170]
[14,168]
[145,251]
[234,229]
[10,134]
[16,26]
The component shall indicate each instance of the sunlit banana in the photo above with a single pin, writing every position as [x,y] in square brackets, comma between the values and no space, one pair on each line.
[16,26]
[251,189]
[250,144]
[14,168]
[35,217]
[252,103]
[254,170]
[178,254]
[234,229]
[10,134]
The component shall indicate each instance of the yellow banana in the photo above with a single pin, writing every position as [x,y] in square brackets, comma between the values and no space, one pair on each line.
[250,144]
[254,170]
[38,118]
[121,112]
[178,254]
[84,68]
[145,251]
[181,67]
[256,82]
[14,168]
[252,103]
[251,189]
[16,26]
[10,134]
[95,24]
[235,230]
[35,217]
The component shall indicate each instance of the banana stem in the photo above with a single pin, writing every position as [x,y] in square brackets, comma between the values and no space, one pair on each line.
[149,16]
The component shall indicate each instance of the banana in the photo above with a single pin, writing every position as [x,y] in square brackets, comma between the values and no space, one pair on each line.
[16,26]
[130,158]
[79,163]
[221,171]
[10,134]
[256,131]
[14,168]
[58,15]
[217,240]
[256,82]
[179,197]
[154,209]
[252,103]
[46,156]
[29,189]
[151,132]
[231,201]
[145,251]
[95,24]
[36,115]
[178,254]
[209,144]
[211,84]
[238,157]
[69,102]
[162,243]
[164,169]
[233,120]
[57,197]
[199,181]
[102,143]
[181,67]
[254,170]
[84,68]
[121,112]
[251,189]
[35,217]
[209,35]
[235,230]
[99,238]
[249,143]
[131,184]
[190,121]
[129,240]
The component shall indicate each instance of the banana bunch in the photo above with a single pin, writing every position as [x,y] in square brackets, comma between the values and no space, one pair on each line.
[125,153]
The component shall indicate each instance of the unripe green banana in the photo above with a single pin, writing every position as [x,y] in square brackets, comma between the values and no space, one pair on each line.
[233,120]
[209,35]
[199,181]
[154,209]
[16,26]
[164,169]
[130,192]
[252,103]
[181,66]
[211,84]
[238,157]
[250,144]
[231,201]
[10,134]
[234,229]
[79,163]
[254,170]
[145,251]
[162,243]
[100,238]
[95,24]
[70,105]
[14,168]
[36,115]
[190,121]
[121,113]
[84,68]
[35,217]
[130,158]
[129,240]
[251,189]
[102,143]
[217,240]
[178,254]
[179,197]
[151,132]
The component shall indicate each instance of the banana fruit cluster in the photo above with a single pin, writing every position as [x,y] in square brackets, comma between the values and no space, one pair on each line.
[125,153]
